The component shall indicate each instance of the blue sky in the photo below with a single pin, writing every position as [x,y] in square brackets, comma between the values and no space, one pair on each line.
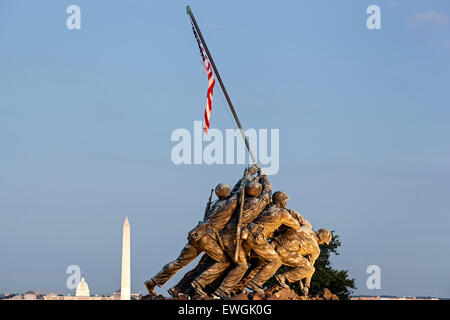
[86,117]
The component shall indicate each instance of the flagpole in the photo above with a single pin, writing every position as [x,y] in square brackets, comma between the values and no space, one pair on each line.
[191,15]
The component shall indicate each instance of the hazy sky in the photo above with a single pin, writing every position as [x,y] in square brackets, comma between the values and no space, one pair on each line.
[86,118]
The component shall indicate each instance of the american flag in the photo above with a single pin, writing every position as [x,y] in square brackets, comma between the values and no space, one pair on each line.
[211,83]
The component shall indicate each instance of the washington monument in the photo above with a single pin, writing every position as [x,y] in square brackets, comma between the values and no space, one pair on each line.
[125,287]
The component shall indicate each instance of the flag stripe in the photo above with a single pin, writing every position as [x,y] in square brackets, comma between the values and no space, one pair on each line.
[209,96]
[211,83]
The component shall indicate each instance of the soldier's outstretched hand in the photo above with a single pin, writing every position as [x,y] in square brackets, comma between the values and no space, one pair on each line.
[254,169]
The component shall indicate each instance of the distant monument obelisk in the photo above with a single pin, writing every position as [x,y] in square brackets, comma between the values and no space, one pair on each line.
[125,287]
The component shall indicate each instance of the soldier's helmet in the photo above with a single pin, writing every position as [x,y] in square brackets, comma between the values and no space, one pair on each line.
[324,235]
[223,190]
[279,196]
[253,189]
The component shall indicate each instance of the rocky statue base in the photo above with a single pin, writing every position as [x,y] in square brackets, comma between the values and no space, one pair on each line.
[274,293]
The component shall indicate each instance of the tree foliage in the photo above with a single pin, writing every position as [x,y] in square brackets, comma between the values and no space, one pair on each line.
[325,276]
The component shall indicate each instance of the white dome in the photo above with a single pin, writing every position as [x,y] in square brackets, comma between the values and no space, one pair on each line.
[82,289]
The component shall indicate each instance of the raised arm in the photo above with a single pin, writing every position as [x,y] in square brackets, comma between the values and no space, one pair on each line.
[290,221]
[267,186]
[303,222]
[248,173]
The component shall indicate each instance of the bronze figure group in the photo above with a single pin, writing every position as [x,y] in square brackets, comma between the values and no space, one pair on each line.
[246,235]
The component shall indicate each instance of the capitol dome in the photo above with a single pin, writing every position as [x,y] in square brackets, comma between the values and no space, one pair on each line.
[82,289]
[29,295]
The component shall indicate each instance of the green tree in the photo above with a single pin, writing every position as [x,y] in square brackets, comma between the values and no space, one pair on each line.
[325,276]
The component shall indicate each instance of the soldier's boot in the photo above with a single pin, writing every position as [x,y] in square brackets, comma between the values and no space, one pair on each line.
[282,281]
[300,285]
[220,294]
[305,291]
[198,289]
[150,285]
[237,290]
[174,292]
[255,288]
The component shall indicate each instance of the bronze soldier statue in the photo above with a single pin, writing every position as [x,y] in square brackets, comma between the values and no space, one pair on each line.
[258,196]
[205,237]
[184,285]
[218,222]
[299,250]
[261,230]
